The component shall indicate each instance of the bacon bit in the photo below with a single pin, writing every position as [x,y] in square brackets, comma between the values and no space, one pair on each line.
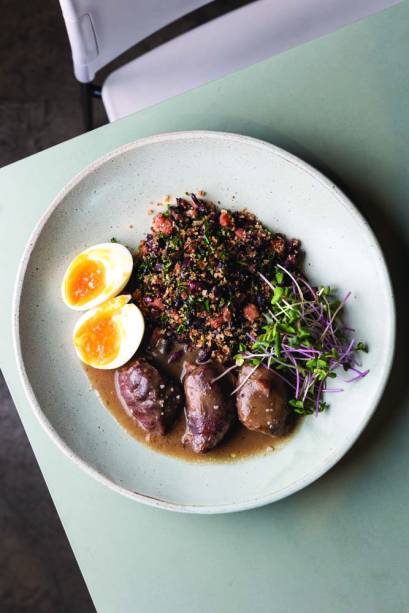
[201,193]
[157,303]
[278,244]
[162,224]
[251,312]
[143,249]
[177,268]
[240,233]
[225,219]
[226,314]
[216,322]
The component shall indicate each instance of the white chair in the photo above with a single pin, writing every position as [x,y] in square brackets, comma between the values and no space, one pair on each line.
[101,30]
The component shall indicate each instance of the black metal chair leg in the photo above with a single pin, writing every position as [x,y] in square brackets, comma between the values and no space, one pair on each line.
[87,109]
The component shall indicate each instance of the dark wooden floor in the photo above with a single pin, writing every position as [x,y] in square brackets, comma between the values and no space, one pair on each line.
[39,107]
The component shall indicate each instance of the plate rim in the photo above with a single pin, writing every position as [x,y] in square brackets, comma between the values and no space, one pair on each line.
[291,488]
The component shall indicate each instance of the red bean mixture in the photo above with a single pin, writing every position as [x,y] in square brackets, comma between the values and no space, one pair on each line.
[197,275]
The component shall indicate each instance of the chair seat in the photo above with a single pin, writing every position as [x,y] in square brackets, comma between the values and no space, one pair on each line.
[231,42]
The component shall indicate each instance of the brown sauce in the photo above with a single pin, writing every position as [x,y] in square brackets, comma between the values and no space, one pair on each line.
[237,445]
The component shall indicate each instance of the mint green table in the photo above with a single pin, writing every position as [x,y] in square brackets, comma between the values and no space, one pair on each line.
[342,544]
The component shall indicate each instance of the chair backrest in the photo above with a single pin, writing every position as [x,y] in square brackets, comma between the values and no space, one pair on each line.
[100,30]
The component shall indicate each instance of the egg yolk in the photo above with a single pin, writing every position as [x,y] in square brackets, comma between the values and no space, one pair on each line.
[85,282]
[98,340]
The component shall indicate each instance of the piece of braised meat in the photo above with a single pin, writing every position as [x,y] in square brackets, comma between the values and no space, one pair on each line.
[149,397]
[262,402]
[209,407]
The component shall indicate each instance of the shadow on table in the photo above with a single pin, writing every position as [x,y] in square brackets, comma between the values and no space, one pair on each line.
[396,250]
[395,246]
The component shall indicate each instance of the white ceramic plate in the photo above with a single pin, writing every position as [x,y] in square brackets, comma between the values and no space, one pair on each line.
[105,200]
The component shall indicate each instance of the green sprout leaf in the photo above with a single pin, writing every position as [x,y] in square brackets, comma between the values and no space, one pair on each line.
[279,277]
[278,292]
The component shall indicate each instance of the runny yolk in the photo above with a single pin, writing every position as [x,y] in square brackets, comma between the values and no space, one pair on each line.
[98,340]
[85,282]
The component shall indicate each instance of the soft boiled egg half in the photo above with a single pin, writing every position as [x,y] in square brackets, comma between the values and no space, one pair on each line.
[107,336]
[96,275]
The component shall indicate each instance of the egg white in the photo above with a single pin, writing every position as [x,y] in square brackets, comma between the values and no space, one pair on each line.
[118,263]
[130,324]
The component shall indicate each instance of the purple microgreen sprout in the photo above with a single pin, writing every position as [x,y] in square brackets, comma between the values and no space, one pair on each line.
[304,340]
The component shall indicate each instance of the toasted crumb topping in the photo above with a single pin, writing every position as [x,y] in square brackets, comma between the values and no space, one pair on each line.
[197,274]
